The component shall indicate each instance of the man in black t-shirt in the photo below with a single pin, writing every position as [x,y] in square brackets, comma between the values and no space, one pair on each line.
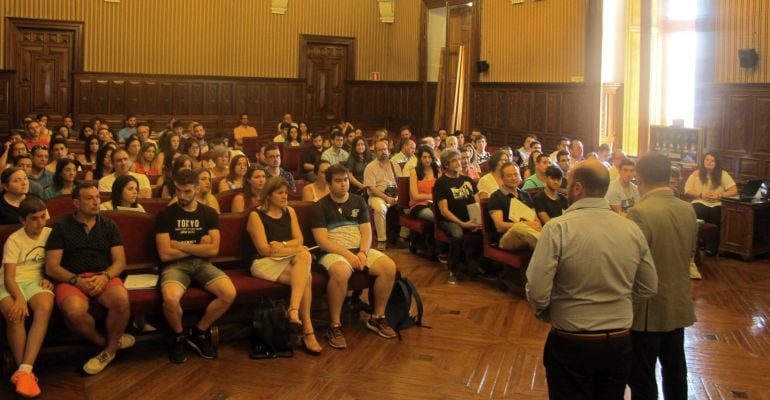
[187,236]
[550,203]
[453,193]
[85,255]
[514,227]
[340,223]
[311,155]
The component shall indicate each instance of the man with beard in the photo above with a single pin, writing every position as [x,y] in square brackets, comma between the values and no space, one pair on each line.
[380,178]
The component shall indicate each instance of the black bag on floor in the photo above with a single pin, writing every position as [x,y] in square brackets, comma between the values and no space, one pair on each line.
[270,332]
[397,312]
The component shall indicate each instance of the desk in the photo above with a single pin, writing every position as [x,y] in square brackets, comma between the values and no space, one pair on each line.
[745,228]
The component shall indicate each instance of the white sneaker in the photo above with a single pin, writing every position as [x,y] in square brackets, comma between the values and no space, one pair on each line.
[126,341]
[694,273]
[98,363]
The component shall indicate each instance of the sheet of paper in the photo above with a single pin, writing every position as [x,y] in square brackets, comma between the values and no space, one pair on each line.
[141,281]
[518,211]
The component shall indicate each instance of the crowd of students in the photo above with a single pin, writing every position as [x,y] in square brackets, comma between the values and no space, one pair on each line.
[524,188]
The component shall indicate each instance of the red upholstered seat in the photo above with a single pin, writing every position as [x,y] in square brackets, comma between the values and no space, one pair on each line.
[155,205]
[137,230]
[292,159]
[515,259]
[225,199]
[61,205]
[438,233]
[235,243]
[405,220]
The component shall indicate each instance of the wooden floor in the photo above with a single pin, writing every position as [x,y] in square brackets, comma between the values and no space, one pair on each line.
[484,343]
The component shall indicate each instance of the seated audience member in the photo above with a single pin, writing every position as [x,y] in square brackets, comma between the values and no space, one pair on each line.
[286,121]
[515,225]
[42,119]
[380,178]
[537,180]
[336,154]
[145,161]
[238,167]
[192,149]
[283,132]
[535,145]
[120,165]
[170,148]
[282,257]
[103,166]
[491,181]
[251,193]
[89,152]
[199,134]
[260,156]
[221,159]
[24,162]
[469,166]
[39,173]
[530,166]
[421,183]
[453,193]
[347,145]
[451,143]
[273,169]
[59,151]
[85,256]
[592,156]
[167,180]
[292,138]
[35,136]
[133,148]
[563,145]
[340,223]
[16,149]
[550,203]
[187,236]
[24,289]
[125,191]
[622,193]
[404,135]
[356,164]
[706,186]
[204,191]
[318,189]
[64,179]
[564,161]
[86,132]
[406,153]
[603,154]
[576,151]
[480,142]
[129,129]
[525,149]
[15,190]
[509,154]
[617,156]
[311,156]
[243,130]
[460,138]
[143,133]
[304,132]
[105,135]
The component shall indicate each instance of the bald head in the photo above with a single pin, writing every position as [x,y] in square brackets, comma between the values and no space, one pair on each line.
[589,178]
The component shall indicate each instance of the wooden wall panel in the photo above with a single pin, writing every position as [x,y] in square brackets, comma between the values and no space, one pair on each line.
[548,110]
[6,97]
[741,24]
[736,118]
[235,38]
[537,41]
[373,105]
[211,100]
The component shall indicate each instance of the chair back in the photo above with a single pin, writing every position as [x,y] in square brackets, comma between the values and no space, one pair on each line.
[225,199]
[292,159]
[235,243]
[154,205]
[137,230]
[60,205]
[403,191]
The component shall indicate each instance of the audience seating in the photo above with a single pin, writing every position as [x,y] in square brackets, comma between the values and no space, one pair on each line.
[154,205]
[292,159]
[251,146]
[515,259]
[414,224]
[225,199]
[215,183]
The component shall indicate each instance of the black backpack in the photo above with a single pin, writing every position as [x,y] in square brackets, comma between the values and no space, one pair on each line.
[399,305]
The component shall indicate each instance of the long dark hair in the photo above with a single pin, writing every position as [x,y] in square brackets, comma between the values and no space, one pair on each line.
[60,165]
[100,156]
[366,156]
[168,152]
[171,173]
[117,190]
[532,161]
[233,164]
[87,151]
[248,193]
[82,135]
[716,173]
[433,164]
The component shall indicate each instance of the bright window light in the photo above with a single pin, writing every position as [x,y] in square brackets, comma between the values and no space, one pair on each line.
[680,77]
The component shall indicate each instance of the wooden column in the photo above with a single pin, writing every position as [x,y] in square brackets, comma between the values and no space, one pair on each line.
[644,77]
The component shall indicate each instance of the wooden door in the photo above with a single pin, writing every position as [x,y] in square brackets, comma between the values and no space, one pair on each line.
[327,63]
[44,55]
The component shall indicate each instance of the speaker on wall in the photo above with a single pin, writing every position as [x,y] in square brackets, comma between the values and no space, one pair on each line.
[482,66]
[748,58]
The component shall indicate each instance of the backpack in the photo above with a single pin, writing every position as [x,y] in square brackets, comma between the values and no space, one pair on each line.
[399,305]
[270,332]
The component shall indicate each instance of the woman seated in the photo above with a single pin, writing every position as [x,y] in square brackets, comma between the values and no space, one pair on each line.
[170,150]
[318,189]
[103,165]
[63,179]
[359,158]
[282,258]
[15,188]
[251,196]
[193,150]
[144,162]
[133,148]
[125,191]
[470,167]
[293,139]
[180,163]
[493,179]
[422,178]
[706,186]
[529,168]
[220,158]
[89,152]
[235,179]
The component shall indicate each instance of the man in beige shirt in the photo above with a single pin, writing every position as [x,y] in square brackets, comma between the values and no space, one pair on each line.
[243,130]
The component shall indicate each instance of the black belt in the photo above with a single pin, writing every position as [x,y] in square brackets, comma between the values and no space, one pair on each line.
[594,335]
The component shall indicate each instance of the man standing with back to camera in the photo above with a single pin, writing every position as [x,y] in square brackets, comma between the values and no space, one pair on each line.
[587,266]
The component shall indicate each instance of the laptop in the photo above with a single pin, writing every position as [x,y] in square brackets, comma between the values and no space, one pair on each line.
[751,188]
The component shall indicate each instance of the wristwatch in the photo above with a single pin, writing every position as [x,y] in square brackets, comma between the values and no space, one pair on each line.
[107,274]
[73,280]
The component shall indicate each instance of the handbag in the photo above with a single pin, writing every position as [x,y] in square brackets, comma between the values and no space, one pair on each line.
[270,336]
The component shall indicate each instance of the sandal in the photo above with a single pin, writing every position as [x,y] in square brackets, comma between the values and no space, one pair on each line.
[314,351]
[294,324]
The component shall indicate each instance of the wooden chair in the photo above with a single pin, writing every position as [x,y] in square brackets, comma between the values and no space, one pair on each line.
[412,223]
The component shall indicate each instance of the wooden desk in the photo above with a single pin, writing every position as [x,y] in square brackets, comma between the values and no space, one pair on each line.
[745,228]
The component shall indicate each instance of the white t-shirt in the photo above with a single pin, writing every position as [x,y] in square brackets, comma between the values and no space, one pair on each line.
[618,196]
[694,185]
[28,255]
[488,184]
